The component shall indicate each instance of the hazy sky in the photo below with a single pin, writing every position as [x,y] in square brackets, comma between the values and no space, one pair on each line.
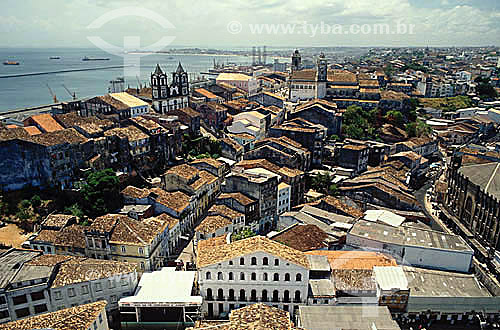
[64,23]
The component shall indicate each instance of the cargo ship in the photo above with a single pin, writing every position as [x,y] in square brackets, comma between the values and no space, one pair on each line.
[10,63]
[86,58]
[54,58]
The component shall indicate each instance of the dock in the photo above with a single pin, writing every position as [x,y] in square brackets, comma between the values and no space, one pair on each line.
[62,71]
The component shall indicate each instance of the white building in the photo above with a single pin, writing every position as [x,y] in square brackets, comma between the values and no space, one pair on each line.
[137,106]
[283,198]
[250,122]
[247,83]
[256,269]
[212,226]
[413,246]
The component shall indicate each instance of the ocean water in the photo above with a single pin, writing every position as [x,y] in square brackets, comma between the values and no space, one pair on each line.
[20,92]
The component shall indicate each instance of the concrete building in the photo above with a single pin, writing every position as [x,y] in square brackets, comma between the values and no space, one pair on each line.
[412,246]
[242,81]
[283,198]
[354,157]
[251,270]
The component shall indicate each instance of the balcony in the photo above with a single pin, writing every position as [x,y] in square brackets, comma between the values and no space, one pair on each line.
[297,301]
[231,298]
[264,299]
[221,299]
[209,298]
[253,299]
[242,299]
[286,300]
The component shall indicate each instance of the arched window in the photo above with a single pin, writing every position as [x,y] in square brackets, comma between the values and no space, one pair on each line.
[230,262]
[220,294]
[276,262]
[298,277]
[254,261]
[231,295]
[286,296]
[253,295]
[264,277]
[264,295]
[254,277]
[242,276]
[208,276]
[220,277]
[242,261]
[209,293]
[297,296]
[231,276]
[276,277]
[287,277]
[276,296]
[265,261]
[242,295]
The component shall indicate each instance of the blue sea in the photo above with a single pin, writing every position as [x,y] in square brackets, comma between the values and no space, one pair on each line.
[20,92]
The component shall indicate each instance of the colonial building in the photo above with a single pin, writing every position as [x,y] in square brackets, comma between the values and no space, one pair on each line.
[256,269]
[167,97]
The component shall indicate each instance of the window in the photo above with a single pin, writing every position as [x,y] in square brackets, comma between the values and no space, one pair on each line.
[220,277]
[315,301]
[23,312]
[276,277]
[242,276]
[71,292]
[287,277]
[208,276]
[40,308]
[18,300]
[124,249]
[254,277]
[298,277]
[37,296]
[276,262]
[231,276]
[264,277]
[265,261]
[141,250]
[297,296]
[242,261]
[254,261]
[98,287]
[4,314]
[57,295]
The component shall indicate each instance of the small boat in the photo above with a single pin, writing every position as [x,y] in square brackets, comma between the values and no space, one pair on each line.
[54,58]
[10,63]
[86,58]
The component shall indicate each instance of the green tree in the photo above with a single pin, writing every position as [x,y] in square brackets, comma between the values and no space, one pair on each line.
[242,234]
[395,118]
[36,201]
[100,193]
[322,183]
[24,204]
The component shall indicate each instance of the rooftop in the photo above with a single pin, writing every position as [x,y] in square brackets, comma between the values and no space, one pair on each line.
[321,288]
[47,122]
[185,171]
[385,217]
[364,317]
[408,236]
[131,133]
[129,100]
[233,76]
[302,237]
[212,223]
[74,318]
[355,260]
[11,261]
[209,256]
[58,220]
[486,176]
[239,197]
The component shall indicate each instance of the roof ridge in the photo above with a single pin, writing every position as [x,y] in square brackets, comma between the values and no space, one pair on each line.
[491,178]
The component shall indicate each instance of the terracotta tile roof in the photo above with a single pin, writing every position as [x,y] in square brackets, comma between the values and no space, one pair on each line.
[206,93]
[170,221]
[131,133]
[303,237]
[339,205]
[210,161]
[7,134]
[348,280]
[190,112]
[118,105]
[58,220]
[342,76]
[135,192]
[392,95]
[134,232]
[232,143]
[255,163]
[354,147]
[69,135]
[290,172]
[307,75]
[177,200]
[184,171]
[106,223]
[48,260]
[72,236]
[239,197]
[32,130]
[253,317]
[47,235]
[147,123]
[72,119]
[207,177]
[242,247]
[355,260]
[225,211]
[327,104]
[212,223]
[74,318]
[79,269]
[47,123]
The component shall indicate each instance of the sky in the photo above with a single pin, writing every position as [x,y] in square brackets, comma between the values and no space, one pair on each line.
[244,23]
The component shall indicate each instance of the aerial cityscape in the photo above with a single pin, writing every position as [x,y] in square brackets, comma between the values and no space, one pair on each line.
[266,164]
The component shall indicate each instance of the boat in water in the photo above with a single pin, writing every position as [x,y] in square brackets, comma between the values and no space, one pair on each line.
[86,58]
[54,58]
[10,63]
